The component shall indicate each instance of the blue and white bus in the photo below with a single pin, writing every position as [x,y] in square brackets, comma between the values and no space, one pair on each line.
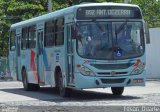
[92,45]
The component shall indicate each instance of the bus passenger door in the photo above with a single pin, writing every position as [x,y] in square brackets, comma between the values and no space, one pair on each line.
[40,70]
[70,56]
[18,59]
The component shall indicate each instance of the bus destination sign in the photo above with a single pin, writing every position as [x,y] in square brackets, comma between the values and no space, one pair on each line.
[105,12]
[108,12]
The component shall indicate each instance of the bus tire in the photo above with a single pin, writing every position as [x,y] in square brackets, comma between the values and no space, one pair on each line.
[63,91]
[117,90]
[27,86]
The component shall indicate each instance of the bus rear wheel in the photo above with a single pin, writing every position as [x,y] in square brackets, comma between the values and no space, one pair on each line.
[27,86]
[63,91]
[117,90]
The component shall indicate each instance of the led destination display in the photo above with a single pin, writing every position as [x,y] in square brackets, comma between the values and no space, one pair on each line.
[108,12]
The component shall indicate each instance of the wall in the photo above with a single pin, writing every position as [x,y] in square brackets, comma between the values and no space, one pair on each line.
[153,54]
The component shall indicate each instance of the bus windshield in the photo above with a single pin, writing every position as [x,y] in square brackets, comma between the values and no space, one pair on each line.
[107,40]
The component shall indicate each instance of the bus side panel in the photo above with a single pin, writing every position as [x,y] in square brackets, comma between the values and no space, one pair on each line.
[25,59]
[28,61]
[52,58]
[49,65]
[60,61]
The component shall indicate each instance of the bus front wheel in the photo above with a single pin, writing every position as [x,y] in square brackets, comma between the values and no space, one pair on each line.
[63,91]
[117,90]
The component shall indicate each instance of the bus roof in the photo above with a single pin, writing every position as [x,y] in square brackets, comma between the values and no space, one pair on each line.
[105,4]
[65,11]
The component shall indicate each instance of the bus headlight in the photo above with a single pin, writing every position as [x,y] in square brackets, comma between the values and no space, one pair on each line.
[139,69]
[85,71]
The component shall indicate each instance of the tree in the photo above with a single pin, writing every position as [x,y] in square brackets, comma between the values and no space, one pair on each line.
[73,2]
[150,10]
[12,11]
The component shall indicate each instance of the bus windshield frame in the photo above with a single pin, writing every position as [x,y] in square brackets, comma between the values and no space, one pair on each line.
[108,40]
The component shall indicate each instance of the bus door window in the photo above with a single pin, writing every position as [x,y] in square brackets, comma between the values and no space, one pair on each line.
[70,56]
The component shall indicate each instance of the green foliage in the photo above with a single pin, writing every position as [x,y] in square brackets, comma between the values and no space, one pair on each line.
[81,1]
[151,11]
[12,11]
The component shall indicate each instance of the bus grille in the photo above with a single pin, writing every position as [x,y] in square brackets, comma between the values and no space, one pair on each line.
[112,66]
[112,81]
[110,73]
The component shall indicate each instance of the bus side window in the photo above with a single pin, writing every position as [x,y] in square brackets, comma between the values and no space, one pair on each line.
[12,40]
[24,40]
[59,31]
[49,34]
[32,36]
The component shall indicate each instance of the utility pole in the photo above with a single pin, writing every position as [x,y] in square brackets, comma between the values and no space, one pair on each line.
[49,5]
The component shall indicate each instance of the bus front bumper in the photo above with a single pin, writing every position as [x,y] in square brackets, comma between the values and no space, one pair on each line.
[85,82]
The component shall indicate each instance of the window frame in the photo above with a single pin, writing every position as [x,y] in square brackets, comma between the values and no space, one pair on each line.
[59,32]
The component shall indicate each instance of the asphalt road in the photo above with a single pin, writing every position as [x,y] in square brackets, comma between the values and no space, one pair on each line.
[137,99]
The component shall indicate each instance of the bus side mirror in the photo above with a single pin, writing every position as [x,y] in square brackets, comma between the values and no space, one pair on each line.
[147,33]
